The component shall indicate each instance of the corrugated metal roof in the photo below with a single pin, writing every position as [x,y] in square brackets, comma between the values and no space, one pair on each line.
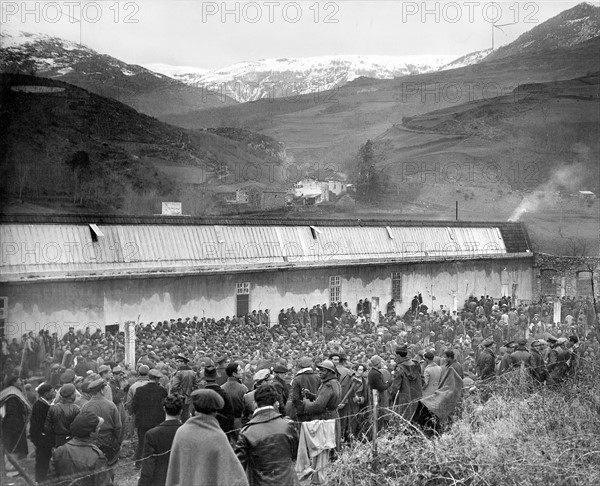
[42,251]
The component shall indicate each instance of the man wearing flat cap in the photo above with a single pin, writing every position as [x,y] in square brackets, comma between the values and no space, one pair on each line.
[148,410]
[537,362]
[226,415]
[109,435]
[260,377]
[486,364]
[305,379]
[80,457]
[183,383]
[61,415]
[141,380]
[201,452]
[282,387]
[521,357]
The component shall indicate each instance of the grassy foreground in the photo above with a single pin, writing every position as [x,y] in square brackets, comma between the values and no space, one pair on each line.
[510,433]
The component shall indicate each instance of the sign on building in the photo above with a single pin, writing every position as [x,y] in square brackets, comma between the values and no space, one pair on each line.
[171,209]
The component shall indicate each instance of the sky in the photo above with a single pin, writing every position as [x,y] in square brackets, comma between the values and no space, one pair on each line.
[215,34]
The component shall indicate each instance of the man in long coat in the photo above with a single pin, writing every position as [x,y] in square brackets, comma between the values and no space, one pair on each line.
[158,442]
[406,387]
[148,410]
[201,452]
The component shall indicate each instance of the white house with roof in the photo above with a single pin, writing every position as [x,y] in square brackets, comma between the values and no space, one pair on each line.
[312,190]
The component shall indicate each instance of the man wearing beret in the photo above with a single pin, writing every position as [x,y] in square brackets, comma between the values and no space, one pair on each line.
[201,452]
[61,415]
[148,409]
[43,442]
[80,457]
[109,435]
[268,444]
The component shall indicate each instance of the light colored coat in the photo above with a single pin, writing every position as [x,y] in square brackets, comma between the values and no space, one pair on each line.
[431,378]
[202,456]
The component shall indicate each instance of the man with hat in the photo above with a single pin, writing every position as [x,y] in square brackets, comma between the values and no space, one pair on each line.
[537,363]
[262,376]
[521,357]
[486,363]
[268,444]
[109,435]
[377,382]
[323,405]
[406,386]
[147,409]
[61,415]
[305,379]
[505,357]
[282,387]
[557,360]
[80,457]
[43,442]
[201,452]
[183,383]
[345,379]
[225,416]
[141,380]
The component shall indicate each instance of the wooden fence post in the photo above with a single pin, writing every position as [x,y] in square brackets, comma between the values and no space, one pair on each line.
[374,428]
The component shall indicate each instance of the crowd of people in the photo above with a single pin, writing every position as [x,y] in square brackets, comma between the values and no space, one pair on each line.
[254,385]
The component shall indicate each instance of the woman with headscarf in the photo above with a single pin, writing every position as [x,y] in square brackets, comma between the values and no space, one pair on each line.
[14,411]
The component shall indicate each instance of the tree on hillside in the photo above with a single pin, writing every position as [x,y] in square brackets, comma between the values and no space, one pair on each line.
[79,162]
[368,180]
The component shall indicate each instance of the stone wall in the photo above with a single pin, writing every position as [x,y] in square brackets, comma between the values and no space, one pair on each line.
[556,275]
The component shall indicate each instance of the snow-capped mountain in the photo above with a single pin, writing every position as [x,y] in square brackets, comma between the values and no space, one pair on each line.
[147,91]
[466,60]
[290,77]
[571,27]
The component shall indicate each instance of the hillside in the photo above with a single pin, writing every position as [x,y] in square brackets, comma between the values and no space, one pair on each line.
[148,92]
[135,161]
[569,28]
[328,128]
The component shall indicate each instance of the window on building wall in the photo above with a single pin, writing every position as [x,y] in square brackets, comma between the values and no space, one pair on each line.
[3,314]
[584,283]
[335,289]
[396,285]
[242,294]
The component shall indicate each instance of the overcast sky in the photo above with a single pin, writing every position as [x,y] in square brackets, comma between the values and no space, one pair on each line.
[211,35]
